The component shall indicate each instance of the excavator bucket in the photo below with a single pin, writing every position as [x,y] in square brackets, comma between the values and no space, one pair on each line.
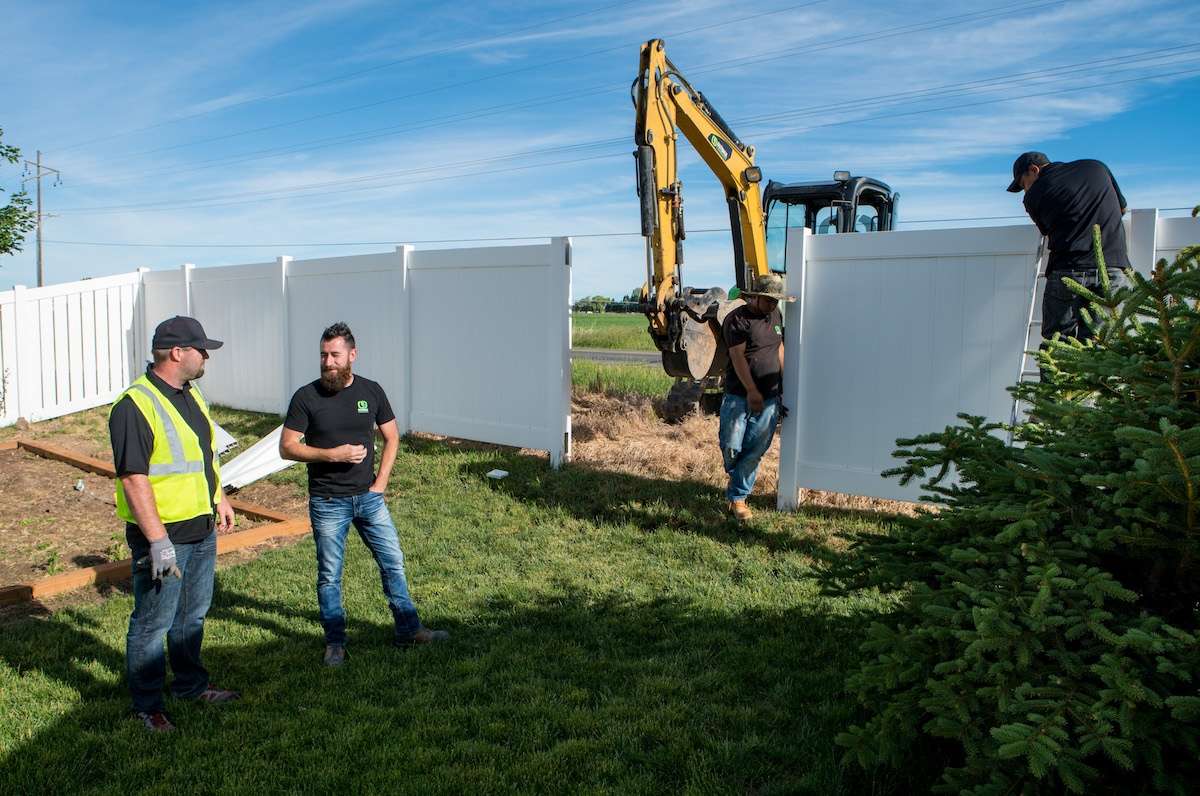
[696,348]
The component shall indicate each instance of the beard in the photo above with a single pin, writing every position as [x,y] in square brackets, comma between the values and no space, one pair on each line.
[335,379]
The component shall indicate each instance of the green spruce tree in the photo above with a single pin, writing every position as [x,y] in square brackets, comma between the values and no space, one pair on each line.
[1045,637]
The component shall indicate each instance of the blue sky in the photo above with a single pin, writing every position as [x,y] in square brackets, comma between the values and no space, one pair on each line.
[284,123]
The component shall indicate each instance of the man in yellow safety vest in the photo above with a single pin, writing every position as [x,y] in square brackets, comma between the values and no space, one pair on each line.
[169,494]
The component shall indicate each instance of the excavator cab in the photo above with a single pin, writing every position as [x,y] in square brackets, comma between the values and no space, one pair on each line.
[848,204]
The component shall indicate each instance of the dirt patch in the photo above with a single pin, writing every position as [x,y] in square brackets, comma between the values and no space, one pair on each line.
[47,524]
[625,435]
[281,497]
[55,518]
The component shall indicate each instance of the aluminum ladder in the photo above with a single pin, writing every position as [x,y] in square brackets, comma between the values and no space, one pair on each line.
[1023,373]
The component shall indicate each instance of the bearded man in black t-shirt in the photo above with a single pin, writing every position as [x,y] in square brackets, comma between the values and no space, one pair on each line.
[331,425]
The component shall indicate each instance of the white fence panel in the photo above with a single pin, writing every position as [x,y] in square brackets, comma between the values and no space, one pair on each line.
[1174,234]
[63,350]
[490,332]
[164,295]
[897,333]
[367,292]
[242,305]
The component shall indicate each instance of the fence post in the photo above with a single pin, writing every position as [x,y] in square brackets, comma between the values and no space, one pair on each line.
[284,261]
[1143,239]
[788,491]
[18,390]
[141,342]
[187,288]
[559,351]
[404,416]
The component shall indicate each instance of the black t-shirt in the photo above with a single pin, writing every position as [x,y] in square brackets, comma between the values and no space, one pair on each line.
[762,334]
[329,419]
[133,442]
[1066,201]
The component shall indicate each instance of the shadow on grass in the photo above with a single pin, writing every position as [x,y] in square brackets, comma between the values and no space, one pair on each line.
[568,691]
[597,495]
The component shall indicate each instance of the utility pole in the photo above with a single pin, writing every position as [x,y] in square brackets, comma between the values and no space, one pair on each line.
[40,171]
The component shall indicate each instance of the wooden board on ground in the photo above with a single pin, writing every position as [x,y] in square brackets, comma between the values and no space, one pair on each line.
[43,478]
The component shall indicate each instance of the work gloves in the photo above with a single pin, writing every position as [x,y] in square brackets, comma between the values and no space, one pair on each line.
[162,560]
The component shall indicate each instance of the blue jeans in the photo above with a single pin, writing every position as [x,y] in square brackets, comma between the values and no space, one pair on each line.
[331,518]
[745,438]
[175,608]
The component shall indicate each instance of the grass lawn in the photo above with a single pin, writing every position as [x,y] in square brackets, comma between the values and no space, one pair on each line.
[611,634]
[619,330]
[620,378]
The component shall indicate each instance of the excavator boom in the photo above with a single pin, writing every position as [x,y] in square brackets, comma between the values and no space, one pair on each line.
[685,321]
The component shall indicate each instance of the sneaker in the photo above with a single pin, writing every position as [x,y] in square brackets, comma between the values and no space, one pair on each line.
[155,721]
[423,636]
[216,696]
[741,511]
[335,655]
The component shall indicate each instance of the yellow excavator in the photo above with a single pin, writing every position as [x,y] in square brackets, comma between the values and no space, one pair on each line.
[685,322]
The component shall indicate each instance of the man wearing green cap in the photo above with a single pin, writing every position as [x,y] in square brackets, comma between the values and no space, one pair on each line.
[753,387]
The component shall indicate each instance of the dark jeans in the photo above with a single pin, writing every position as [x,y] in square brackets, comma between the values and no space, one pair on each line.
[1062,309]
[331,519]
[175,608]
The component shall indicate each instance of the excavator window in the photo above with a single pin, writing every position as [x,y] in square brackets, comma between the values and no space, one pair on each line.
[867,220]
[780,218]
[826,221]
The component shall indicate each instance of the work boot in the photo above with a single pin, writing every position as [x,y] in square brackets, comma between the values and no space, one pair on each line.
[740,510]
[423,636]
[335,655]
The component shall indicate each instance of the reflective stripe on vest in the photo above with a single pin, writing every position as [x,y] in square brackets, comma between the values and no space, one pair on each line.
[178,463]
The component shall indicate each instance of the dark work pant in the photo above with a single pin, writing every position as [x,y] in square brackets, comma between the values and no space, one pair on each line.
[173,608]
[1062,310]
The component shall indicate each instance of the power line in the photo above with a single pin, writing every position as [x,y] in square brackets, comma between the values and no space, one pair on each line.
[346,76]
[332,244]
[202,204]
[944,90]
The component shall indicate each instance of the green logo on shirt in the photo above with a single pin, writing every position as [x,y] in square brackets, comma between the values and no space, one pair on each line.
[778,330]
[362,407]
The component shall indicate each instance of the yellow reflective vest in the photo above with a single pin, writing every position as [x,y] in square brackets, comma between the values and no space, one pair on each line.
[177,460]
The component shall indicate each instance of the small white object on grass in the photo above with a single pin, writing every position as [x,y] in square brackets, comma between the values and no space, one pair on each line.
[79,485]
[496,475]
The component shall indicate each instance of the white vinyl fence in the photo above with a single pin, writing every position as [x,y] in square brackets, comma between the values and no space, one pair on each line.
[65,348]
[895,333]
[471,343]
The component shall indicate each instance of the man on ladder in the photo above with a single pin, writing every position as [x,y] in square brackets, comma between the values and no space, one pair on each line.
[1065,200]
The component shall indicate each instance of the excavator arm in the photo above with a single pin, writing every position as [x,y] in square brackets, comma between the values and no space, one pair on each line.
[685,322]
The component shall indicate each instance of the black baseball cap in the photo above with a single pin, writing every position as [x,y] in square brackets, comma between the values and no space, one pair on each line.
[182,331]
[1022,164]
